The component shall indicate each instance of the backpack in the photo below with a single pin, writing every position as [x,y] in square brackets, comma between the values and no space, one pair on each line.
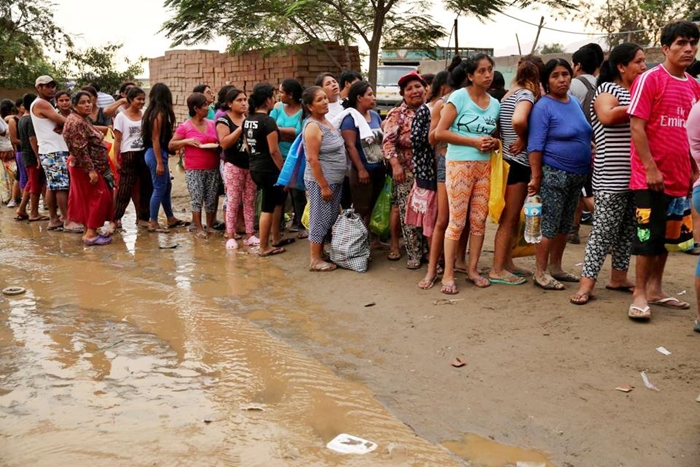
[588,100]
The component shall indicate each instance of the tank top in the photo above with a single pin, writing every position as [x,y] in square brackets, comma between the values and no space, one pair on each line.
[48,140]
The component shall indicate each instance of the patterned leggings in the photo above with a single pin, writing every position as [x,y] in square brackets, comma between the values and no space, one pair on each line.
[133,170]
[412,238]
[239,187]
[468,187]
[322,213]
[202,185]
[613,232]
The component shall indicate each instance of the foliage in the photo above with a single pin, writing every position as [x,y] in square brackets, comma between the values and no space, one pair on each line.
[98,64]
[26,29]
[278,23]
[636,21]
[554,48]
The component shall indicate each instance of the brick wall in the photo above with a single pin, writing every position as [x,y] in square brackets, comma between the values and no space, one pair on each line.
[182,70]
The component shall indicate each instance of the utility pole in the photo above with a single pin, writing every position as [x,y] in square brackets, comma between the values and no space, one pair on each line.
[517,39]
[537,37]
[456,37]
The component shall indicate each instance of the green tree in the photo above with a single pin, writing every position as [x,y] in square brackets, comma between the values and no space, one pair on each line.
[26,30]
[279,23]
[99,64]
[554,48]
[636,21]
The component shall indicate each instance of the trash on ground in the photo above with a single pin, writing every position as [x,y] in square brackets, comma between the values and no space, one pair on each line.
[624,388]
[370,304]
[459,362]
[169,247]
[663,350]
[682,292]
[207,420]
[349,444]
[697,399]
[111,346]
[447,301]
[13,290]
[647,383]
[253,408]
[578,264]
[530,464]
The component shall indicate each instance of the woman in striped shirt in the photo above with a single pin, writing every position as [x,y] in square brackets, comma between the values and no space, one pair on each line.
[613,228]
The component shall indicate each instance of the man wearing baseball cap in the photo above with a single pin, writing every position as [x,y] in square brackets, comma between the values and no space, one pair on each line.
[53,152]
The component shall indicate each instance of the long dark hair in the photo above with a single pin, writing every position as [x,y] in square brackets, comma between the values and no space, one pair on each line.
[261,93]
[307,98]
[221,97]
[439,81]
[231,96]
[357,89]
[294,88]
[160,104]
[549,68]
[621,55]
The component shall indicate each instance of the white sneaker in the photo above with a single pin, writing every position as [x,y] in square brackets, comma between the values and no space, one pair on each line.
[12,204]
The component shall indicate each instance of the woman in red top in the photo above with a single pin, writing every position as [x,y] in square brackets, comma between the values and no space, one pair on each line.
[199,139]
[90,195]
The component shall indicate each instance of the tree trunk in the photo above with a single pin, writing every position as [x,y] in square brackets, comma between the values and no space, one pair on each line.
[374,45]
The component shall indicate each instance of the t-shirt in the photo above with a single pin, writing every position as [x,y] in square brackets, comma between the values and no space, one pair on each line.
[579,90]
[256,128]
[611,166]
[374,149]
[286,121]
[560,131]
[25,130]
[664,101]
[235,154]
[473,122]
[693,127]
[508,134]
[131,132]
[199,158]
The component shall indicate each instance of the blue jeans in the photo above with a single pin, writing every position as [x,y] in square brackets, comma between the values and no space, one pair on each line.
[696,205]
[162,186]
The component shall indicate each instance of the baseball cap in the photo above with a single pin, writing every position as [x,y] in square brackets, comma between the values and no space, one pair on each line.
[412,76]
[45,79]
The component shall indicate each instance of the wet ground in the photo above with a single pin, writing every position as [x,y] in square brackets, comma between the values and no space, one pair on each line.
[134,355]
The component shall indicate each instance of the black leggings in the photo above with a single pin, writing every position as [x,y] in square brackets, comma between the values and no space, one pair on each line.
[272,196]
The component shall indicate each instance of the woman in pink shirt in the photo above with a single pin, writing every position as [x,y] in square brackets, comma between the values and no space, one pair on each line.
[693,129]
[198,138]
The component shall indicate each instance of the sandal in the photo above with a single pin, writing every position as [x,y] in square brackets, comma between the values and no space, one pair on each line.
[394,255]
[22,217]
[480,281]
[426,283]
[302,234]
[97,241]
[621,288]
[158,230]
[202,235]
[696,328]
[508,279]
[449,288]
[671,302]
[413,264]
[283,242]
[581,298]
[179,223]
[274,251]
[549,283]
[322,266]
[565,277]
[639,313]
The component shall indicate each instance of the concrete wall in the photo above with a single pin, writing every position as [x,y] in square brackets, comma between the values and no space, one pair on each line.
[182,70]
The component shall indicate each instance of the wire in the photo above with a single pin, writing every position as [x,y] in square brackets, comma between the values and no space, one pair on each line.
[602,34]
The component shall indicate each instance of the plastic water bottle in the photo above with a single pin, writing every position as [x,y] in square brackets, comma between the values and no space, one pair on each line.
[533,219]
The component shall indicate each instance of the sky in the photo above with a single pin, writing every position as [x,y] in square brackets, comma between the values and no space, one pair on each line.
[135,23]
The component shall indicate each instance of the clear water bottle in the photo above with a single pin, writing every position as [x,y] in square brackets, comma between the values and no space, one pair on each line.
[533,219]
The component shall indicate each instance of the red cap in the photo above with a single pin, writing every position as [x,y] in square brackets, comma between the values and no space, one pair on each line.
[412,76]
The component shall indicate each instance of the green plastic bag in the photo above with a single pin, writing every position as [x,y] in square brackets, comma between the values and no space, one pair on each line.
[379,221]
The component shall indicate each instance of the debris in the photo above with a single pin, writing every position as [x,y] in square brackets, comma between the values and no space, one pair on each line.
[169,247]
[663,350]
[682,292]
[447,301]
[697,399]
[459,362]
[207,420]
[111,346]
[647,383]
[578,264]
[370,304]
[624,388]
[349,444]
[253,408]
[13,290]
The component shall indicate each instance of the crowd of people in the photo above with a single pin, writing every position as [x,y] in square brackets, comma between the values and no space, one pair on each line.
[607,136]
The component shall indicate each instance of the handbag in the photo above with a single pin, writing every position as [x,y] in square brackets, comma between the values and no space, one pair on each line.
[499,180]
[350,242]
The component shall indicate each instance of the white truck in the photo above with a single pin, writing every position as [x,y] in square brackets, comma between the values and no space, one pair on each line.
[387,91]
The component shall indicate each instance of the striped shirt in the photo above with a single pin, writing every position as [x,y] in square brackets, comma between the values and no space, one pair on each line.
[611,166]
[508,134]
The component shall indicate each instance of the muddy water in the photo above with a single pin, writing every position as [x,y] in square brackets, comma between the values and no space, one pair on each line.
[134,355]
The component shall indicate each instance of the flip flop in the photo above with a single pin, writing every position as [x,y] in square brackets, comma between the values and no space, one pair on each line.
[565,277]
[638,313]
[621,288]
[696,328]
[480,281]
[413,264]
[394,256]
[550,284]
[460,270]
[302,234]
[672,303]
[426,285]
[449,288]
[508,279]
[38,219]
[179,223]
[323,267]
[57,228]
[158,230]
[74,231]
[22,217]
[274,251]
[283,242]
[582,299]
[98,241]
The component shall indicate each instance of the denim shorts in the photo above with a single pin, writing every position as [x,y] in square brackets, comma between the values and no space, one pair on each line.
[441,171]
[55,166]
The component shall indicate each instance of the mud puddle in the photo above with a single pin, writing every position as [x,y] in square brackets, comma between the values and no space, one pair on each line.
[135,355]
[484,452]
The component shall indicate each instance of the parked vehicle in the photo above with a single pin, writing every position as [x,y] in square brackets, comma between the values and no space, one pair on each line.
[387,92]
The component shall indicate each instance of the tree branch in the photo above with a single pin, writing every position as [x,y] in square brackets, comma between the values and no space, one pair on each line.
[305,29]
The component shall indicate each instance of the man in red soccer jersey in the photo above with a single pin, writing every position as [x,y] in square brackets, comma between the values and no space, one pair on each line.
[662,169]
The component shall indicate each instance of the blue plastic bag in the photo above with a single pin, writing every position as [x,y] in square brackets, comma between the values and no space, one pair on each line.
[292,173]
